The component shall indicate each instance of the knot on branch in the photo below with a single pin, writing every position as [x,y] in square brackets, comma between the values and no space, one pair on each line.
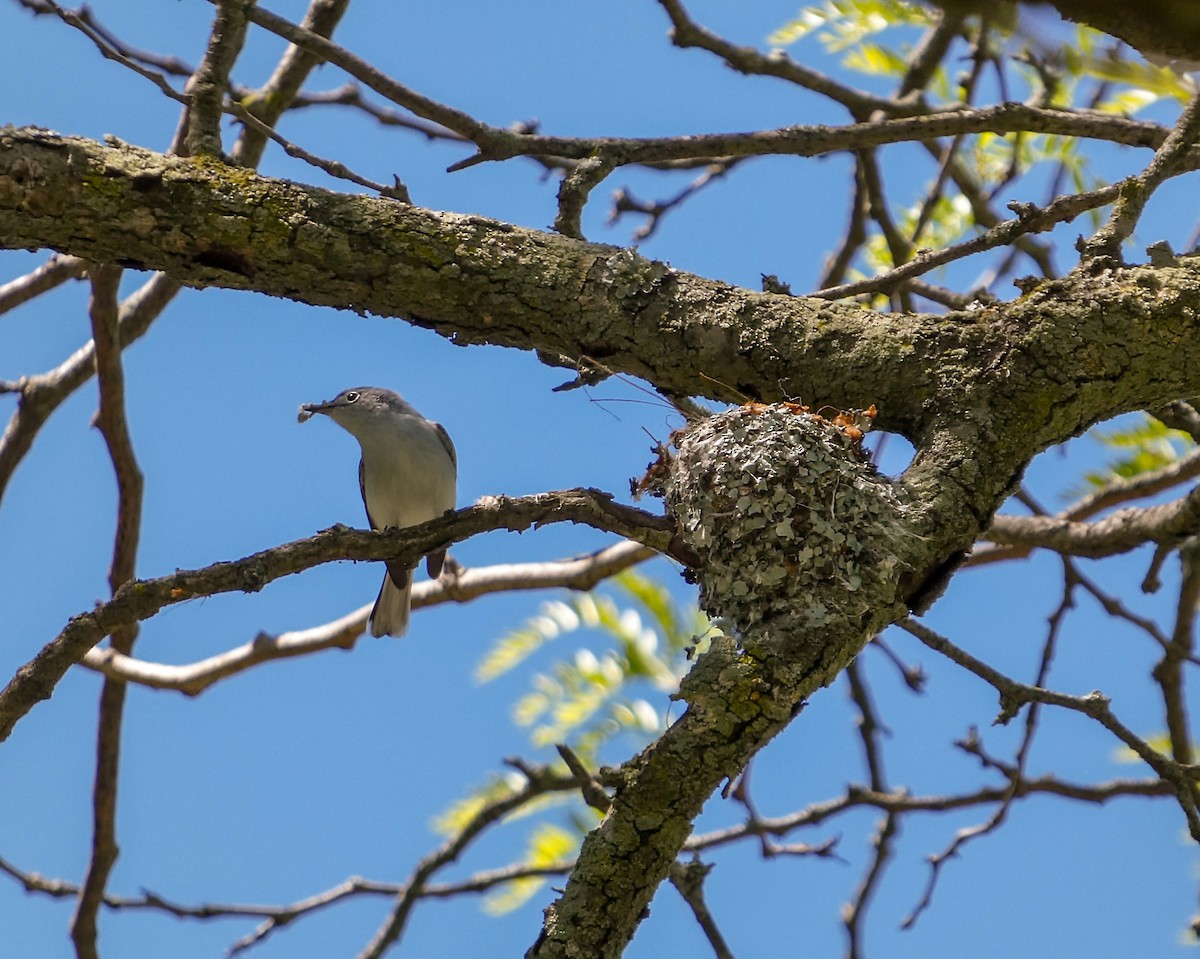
[800,537]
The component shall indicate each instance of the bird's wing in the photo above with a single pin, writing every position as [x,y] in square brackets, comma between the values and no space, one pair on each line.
[398,573]
[446,442]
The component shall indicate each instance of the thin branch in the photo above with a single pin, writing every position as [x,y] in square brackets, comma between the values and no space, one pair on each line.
[498,143]
[902,801]
[1168,672]
[1017,775]
[41,395]
[492,812]
[1014,695]
[1169,159]
[1029,219]
[869,731]
[55,271]
[854,237]
[688,880]
[281,92]
[208,84]
[1118,533]
[685,33]
[625,202]
[458,585]
[477,882]
[142,599]
[84,24]
[105,313]
[573,194]
[1180,416]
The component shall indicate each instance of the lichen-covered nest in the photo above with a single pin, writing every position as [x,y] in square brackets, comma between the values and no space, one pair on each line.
[796,528]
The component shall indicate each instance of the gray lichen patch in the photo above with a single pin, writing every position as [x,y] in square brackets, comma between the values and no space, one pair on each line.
[798,533]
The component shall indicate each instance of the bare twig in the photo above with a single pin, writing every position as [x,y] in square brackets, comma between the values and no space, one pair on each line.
[84,24]
[573,194]
[492,812]
[685,33]
[625,202]
[1013,695]
[688,880]
[869,731]
[282,90]
[105,313]
[1168,160]
[55,271]
[1168,672]
[1017,775]
[41,395]
[1029,219]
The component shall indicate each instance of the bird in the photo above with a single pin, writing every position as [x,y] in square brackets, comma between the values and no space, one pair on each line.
[407,475]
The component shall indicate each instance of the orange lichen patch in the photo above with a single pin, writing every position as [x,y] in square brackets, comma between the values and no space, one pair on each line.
[753,407]
[854,423]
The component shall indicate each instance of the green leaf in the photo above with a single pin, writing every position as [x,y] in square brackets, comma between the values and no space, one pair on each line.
[548,845]
[1143,445]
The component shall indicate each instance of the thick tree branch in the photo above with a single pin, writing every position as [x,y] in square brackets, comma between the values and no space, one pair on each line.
[569,299]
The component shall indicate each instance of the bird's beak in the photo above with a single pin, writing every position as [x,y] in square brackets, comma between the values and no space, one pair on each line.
[308,409]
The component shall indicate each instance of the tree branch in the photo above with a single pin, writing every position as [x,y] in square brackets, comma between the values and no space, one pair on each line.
[459,586]
[141,599]
[1118,533]
[55,271]
[105,317]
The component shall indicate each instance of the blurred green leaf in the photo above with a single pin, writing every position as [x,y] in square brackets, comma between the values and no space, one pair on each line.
[548,844]
[1143,445]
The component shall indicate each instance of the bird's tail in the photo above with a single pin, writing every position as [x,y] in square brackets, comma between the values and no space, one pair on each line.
[390,615]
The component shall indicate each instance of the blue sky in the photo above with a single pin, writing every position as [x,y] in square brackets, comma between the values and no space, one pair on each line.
[282,782]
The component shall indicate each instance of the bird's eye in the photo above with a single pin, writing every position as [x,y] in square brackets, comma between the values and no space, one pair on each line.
[352,396]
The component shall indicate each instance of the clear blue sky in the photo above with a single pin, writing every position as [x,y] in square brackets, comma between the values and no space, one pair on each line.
[283,781]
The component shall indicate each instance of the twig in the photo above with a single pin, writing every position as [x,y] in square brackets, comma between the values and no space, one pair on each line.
[1029,219]
[688,880]
[1013,695]
[492,812]
[687,33]
[281,92]
[1000,815]
[1168,160]
[589,786]
[104,311]
[869,731]
[41,395]
[55,271]
[573,193]
[625,202]
[110,52]
[1179,415]
[1168,672]
[1118,533]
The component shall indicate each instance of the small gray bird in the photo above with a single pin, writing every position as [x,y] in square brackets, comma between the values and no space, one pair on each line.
[407,475]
